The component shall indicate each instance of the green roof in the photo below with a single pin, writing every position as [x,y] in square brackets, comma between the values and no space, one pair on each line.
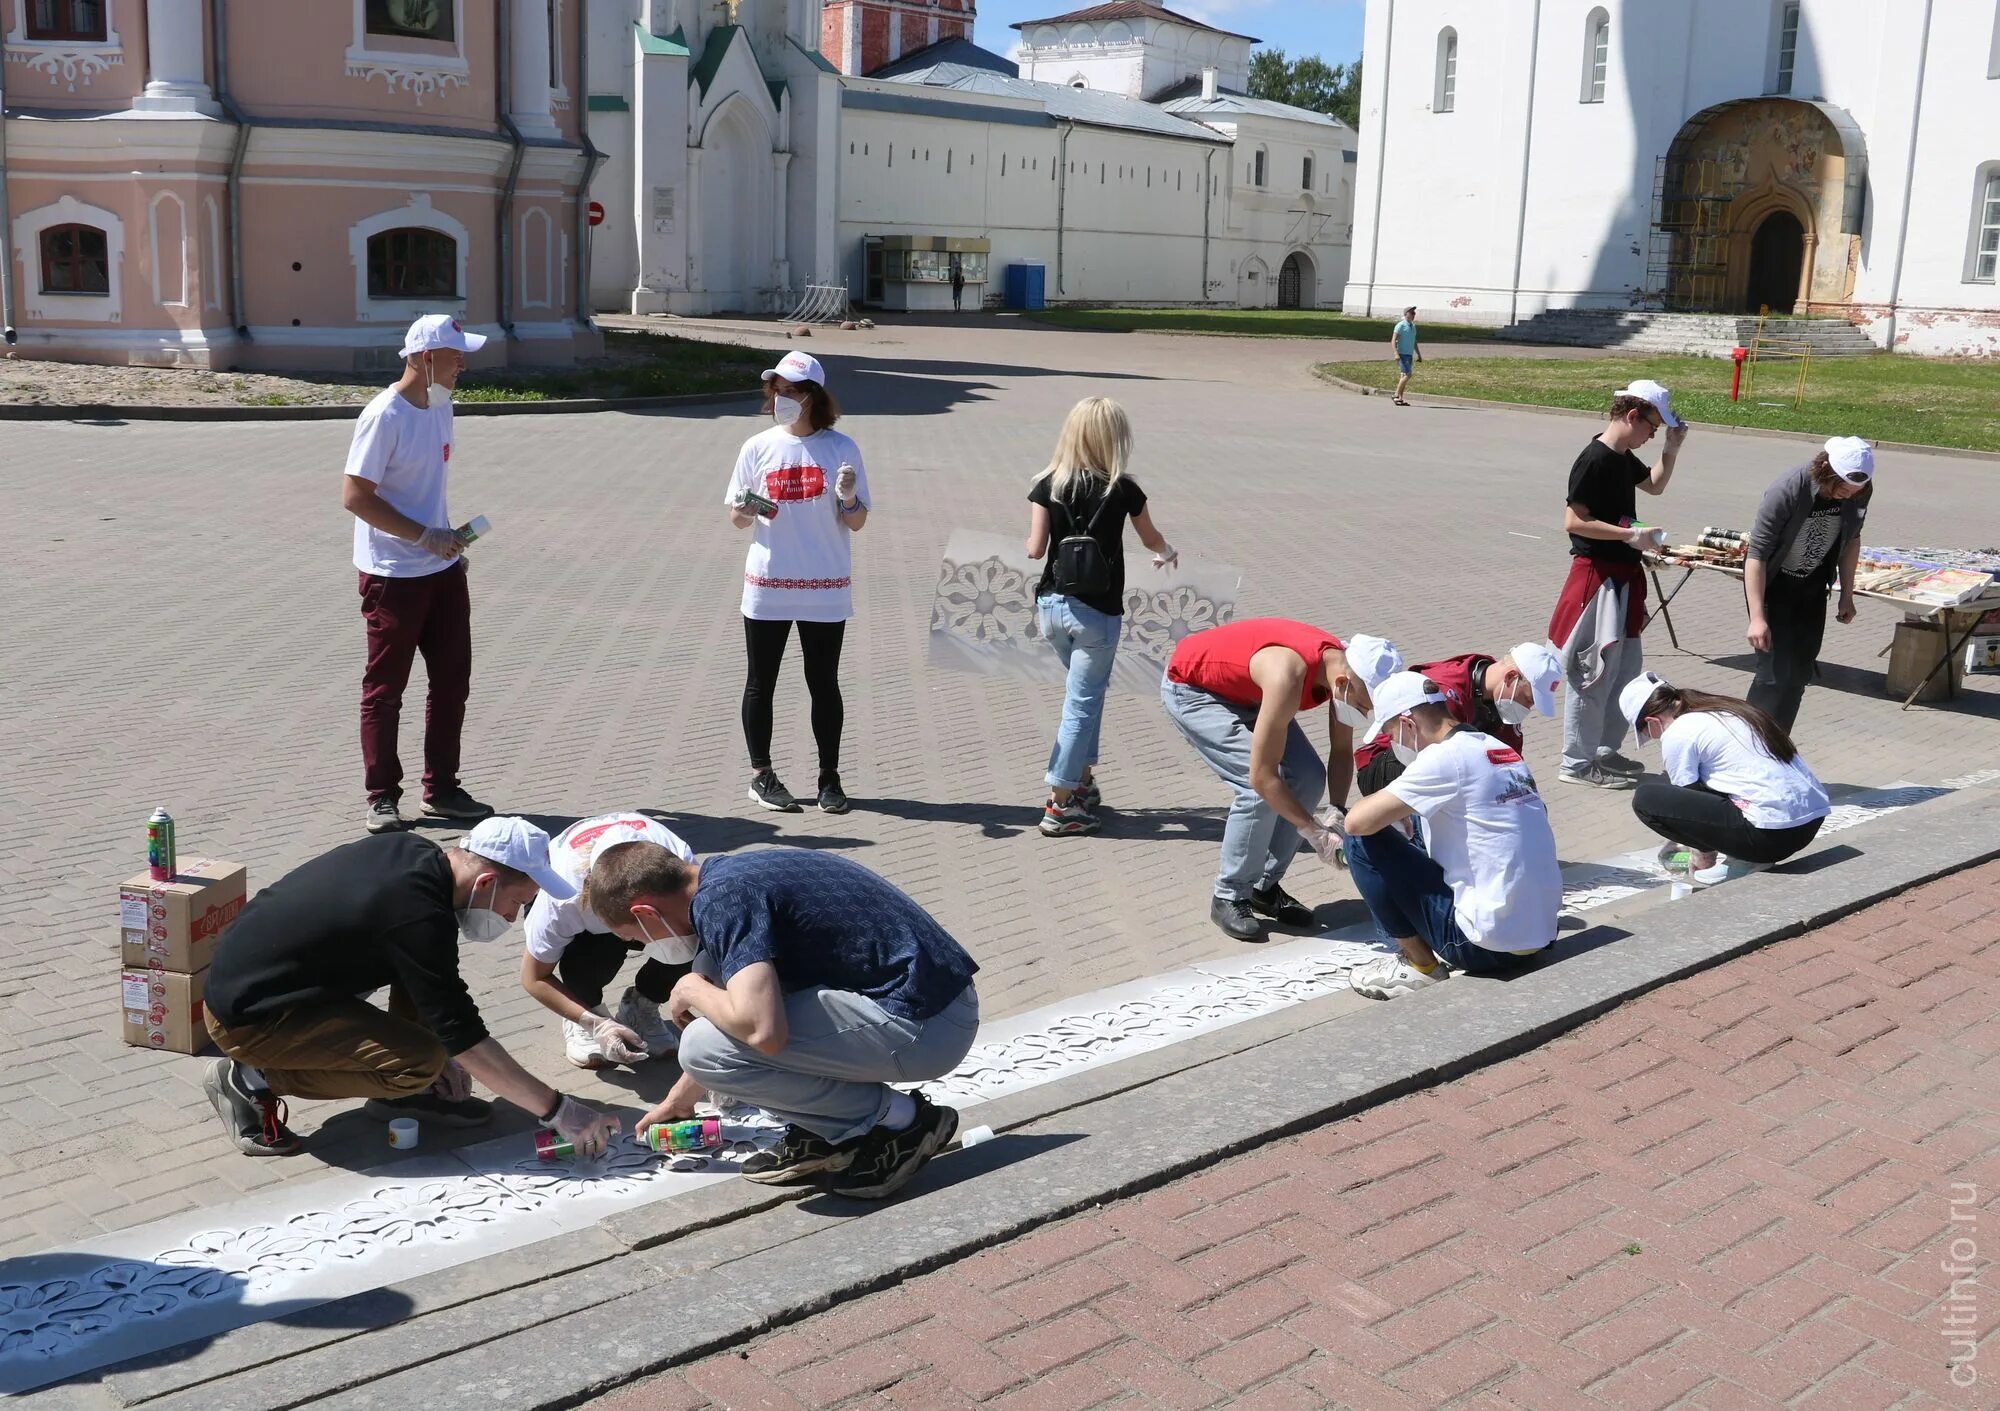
[674,44]
[719,40]
[819,60]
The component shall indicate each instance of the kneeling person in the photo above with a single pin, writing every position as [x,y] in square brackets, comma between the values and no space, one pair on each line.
[832,985]
[1493,695]
[1488,893]
[571,955]
[285,989]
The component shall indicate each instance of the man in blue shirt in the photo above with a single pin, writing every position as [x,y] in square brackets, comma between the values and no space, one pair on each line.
[816,985]
[1404,340]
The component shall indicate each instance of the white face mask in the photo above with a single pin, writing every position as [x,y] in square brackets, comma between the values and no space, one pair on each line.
[676,949]
[482,923]
[787,410]
[1512,712]
[1347,715]
[1406,755]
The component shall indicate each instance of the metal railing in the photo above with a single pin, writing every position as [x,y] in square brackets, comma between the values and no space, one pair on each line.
[822,303]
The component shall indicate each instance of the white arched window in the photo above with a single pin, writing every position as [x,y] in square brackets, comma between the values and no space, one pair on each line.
[1306,177]
[1788,45]
[1444,98]
[1596,54]
[73,255]
[417,266]
[1984,266]
[1259,167]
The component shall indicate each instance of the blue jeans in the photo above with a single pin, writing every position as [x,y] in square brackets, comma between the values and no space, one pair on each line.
[1257,845]
[1408,896]
[1087,641]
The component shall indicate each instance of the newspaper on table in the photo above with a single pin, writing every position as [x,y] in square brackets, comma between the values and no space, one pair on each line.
[1936,577]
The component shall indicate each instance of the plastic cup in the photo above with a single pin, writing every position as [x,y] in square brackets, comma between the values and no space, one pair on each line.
[403,1133]
[975,1137]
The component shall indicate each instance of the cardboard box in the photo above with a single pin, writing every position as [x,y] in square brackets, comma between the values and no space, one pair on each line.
[163,1010]
[174,925]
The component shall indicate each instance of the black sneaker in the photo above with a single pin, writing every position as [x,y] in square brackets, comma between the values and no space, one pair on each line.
[832,798]
[767,791]
[1236,918]
[253,1117]
[1089,795]
[887,1159]
[1619,764]
[456,803]
[431,1107]
[1281,906]
[801,1157]
[384,816]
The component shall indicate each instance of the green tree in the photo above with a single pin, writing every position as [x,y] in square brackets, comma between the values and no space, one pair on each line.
[1308,82]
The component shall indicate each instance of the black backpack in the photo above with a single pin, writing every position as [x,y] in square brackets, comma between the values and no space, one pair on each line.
[1083,569]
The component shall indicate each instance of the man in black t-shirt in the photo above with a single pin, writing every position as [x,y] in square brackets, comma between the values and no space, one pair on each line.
[286,990]
[1596,625]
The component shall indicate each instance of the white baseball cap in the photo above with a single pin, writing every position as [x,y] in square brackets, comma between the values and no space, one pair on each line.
[519,844]
[1658,396]
[797,367]
[1853,459]
[1632,700]
[1376,658]
[1400,694]
[440,331]
[1539,665]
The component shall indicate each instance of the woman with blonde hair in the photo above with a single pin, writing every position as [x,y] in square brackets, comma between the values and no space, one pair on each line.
[1079,505]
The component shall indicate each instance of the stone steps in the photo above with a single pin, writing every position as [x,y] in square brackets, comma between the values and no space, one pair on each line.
[1697,335]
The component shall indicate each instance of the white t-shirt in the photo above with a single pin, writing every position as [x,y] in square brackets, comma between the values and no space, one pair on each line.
[405,450]
[1702,747]
[800,567]
[552,925]
[1489,832]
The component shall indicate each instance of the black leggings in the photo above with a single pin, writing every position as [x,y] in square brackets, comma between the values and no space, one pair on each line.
[1795,611]
[1698,817]
[593,959]
[820,643]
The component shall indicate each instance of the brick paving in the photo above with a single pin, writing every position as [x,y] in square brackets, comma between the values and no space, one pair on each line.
[182,630]
[1737,1192]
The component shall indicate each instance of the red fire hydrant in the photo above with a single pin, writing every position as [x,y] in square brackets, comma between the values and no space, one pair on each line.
[1737,355]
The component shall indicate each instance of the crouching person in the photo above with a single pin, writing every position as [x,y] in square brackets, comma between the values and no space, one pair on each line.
[1487,895]
[285,990]
[816,985]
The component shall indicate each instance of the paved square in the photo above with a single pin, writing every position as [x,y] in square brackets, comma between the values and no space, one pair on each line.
[183,631]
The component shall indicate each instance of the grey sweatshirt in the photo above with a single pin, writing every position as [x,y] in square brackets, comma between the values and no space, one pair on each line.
[1783,515]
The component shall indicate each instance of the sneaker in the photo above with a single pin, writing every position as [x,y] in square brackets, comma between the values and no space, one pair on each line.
[1726,869]
[581,1048]
[1089,795]
[886,1159]
[1392,976]
[1619,764]
[384,816]
[767,791]
[456,803]
[642,1016]
[1235,917]
[1673,859]
[801,1157]
[1281,906]
[1067,820]
[832,798]
[1598,777]
[431,1106]
[253,1117]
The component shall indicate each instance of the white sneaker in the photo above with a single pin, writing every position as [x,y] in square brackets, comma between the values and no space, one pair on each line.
[642,1016]
[580,1046]
[1726,869]
[1392,976]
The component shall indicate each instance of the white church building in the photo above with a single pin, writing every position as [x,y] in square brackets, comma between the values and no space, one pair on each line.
[1822,157]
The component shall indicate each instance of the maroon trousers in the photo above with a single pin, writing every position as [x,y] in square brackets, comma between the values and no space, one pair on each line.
[432,615]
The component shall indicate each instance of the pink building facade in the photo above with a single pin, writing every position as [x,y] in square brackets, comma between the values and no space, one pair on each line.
[252,184]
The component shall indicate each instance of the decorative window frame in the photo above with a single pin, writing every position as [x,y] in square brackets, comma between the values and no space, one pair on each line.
[60,307]
[65,62]
[176,252]
[1444,83]
[1987,174]
[1260,168]
[417,212]
[1596,68]
[418,71]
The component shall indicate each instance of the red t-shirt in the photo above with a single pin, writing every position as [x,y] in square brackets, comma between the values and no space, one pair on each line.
[1453,676]
[1218,661]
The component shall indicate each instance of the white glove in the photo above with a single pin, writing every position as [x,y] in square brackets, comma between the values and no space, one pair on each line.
[1330,837]
[1168,557]
[619,1043]
[584,1127]
[445,543]
[844,481]
[453,1083]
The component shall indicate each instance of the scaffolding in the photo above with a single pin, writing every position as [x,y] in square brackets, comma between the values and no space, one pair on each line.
[1687,260]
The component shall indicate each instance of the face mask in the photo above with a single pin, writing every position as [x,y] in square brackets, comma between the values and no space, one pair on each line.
[676,949]
[1347,715]
[481,923]
[787,410]
[1406,755]
[1512,712]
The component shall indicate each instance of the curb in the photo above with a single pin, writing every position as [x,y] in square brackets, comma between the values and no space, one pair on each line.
[348,411]
[1911,448]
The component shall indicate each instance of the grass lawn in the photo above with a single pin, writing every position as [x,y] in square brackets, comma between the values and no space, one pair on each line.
[1254,323]
[634,365]
[1888,397]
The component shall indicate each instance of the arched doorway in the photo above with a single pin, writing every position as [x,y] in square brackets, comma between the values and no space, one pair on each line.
[1297,287]
[733,261]
[1777,258]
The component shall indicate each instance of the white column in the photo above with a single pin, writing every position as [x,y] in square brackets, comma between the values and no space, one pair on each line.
[780,241]
[528,91]
[176,77]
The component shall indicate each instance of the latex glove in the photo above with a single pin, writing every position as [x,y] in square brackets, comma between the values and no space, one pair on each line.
[1169,557]
[1845,612]
[453,1084]
[619,1043]
[1760,635]
[1676,435]
[1329,840]
[844,481]
[585,1128]
[445,543]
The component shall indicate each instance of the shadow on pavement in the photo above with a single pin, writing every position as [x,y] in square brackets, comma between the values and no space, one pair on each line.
[1859,681]
[950,1169]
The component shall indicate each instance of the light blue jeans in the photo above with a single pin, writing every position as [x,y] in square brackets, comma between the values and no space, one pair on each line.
[1087,641]
[1257,845]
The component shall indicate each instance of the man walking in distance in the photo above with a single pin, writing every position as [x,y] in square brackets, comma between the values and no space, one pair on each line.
[1595,627]
[412,570]
[1403,340]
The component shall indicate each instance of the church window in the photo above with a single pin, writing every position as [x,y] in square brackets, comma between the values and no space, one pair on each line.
[1306,180]
[1003,164]
[1788,45]
[1986,228]
[1445,97]
[412,262]
[947,161]
[76,260]
[1258,167]
[66,19]
[1596,55]
[411,19]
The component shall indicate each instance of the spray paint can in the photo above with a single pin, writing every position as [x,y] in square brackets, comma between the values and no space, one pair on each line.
[553,1146]
[699,1134]
[160,846]
[475,529]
